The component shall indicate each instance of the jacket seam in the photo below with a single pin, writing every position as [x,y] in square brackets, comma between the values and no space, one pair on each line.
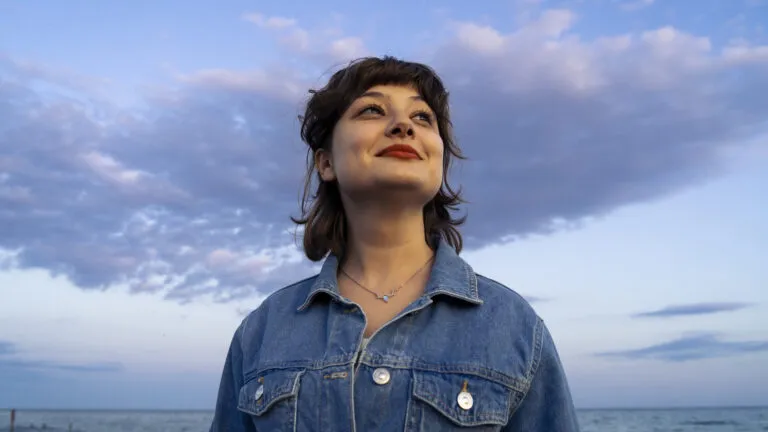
[239,333]
[513,383]
[538,336]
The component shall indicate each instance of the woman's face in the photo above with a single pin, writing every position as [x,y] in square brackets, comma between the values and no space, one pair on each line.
[387,140]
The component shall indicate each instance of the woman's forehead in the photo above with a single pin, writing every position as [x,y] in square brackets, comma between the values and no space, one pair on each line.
[393,90]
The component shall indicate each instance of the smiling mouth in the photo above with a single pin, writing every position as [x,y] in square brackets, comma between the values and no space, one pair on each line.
[399,151]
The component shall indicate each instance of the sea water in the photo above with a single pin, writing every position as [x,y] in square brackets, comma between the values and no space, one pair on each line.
[607,420]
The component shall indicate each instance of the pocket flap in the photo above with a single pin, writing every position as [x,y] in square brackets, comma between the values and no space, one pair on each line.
[260,393]
[489,402]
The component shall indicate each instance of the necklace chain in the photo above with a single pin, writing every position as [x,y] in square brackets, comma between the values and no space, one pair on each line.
[385,298]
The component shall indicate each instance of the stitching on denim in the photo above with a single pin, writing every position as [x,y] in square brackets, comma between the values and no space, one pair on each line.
[409,405]
[341,360]
[295,391]
[538,337]
[442,290]
[472,280]
[538,333]
[240,330]
[272,394]
[277,394]
[437,398]
[336,375]
[323,288]
[378,360]
[351,406]
[477,419]
[421,390]
[468,369]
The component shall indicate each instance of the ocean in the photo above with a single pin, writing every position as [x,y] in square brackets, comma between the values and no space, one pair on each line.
[613,420]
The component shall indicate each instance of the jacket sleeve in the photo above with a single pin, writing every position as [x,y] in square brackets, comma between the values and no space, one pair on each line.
[547,406]
[227,418]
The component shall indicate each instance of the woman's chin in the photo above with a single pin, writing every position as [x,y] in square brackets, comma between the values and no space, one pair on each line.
[402,181]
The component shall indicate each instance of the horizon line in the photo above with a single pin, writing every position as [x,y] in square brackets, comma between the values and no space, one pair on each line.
[606,408]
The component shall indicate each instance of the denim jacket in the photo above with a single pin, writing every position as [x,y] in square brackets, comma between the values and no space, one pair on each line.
[469,355]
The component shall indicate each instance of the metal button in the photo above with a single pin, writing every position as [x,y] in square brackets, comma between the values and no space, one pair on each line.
[465,400]
[381,376]
[259,392]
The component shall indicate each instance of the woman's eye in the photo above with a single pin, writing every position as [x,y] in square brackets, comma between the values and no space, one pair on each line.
[371,109]
[424,116]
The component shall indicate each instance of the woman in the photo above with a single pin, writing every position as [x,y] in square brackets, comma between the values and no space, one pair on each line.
[396,332]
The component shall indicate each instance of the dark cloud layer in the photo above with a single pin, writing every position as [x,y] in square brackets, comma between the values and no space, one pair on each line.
[191,194]
[696,347]
[693,309]
[11,365]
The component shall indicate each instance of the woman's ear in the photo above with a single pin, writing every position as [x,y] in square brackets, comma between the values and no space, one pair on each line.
[324,165]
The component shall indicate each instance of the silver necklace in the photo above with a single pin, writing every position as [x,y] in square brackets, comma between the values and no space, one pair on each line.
[385,298]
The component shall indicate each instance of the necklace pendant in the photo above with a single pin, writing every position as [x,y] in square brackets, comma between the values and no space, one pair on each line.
[385,298]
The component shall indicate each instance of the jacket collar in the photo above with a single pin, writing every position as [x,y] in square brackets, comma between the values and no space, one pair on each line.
[450,276]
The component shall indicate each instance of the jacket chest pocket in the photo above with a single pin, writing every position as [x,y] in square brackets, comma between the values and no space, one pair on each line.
[458,402]
[270,399]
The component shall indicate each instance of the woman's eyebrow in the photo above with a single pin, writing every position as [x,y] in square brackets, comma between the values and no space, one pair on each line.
[379,95]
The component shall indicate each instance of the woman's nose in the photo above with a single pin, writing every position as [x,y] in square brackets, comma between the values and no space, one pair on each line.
[401,129]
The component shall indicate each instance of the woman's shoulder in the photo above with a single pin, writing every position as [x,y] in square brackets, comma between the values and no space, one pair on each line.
[289,297]
[504,298]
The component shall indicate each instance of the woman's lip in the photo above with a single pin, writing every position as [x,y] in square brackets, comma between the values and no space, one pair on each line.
[400,154]
[401,150]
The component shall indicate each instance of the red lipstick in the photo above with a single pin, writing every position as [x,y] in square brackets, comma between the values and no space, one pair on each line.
[400,151]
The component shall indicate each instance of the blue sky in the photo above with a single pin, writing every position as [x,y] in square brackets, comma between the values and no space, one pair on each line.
[150,159]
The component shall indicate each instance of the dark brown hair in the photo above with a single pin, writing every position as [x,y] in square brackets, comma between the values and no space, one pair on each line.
[323,217]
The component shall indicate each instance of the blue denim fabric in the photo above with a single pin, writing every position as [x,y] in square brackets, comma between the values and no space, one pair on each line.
[294,364]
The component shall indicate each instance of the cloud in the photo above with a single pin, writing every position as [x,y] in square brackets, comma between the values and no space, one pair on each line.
[274,22]
[9,361]
[32,73]
[321,46]
[694,347]
[589,127]
[291,35]
[633,5]
[693,309]
[190,195]
[53,366]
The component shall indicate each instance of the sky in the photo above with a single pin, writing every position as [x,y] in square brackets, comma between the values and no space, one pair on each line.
[150,159]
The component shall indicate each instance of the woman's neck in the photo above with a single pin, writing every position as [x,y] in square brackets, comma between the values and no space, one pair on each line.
[384,244]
